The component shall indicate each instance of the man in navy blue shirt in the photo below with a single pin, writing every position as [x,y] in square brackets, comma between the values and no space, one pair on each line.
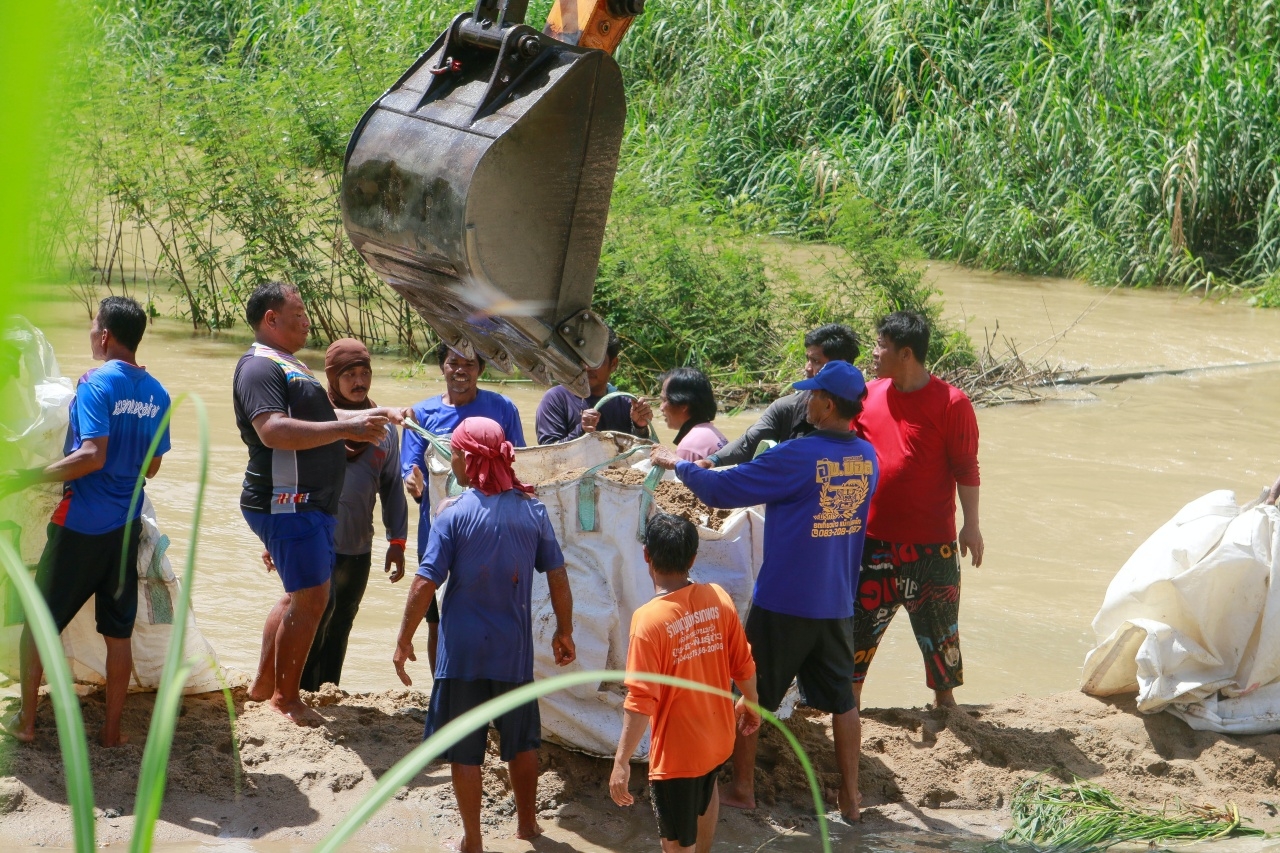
[116,413]
[816,490]
[563,416]
[488,543]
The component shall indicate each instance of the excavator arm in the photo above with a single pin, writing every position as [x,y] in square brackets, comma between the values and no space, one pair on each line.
[478,185]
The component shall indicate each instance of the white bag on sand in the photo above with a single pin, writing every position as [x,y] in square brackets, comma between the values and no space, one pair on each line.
[36,403]
[158,594]
[1192,620]
[608,575]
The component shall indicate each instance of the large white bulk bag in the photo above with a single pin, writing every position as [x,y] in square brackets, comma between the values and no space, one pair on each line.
[598,523]
[1192,620]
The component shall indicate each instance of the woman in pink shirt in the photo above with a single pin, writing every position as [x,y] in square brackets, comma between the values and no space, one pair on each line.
[689,407]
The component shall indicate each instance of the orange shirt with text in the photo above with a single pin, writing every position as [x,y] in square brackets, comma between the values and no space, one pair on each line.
[692,633]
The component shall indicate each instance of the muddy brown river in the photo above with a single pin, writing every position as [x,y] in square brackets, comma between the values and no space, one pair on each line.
[1070,486]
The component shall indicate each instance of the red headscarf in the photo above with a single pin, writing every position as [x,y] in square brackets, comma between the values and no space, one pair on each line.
[488,456]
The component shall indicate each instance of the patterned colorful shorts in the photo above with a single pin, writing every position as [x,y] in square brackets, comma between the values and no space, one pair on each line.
[925,578]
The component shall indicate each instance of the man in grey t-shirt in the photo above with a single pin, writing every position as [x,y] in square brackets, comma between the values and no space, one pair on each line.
[785,417]
[373,470]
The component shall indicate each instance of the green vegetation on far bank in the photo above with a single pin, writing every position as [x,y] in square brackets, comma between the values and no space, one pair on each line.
[1107,139]
[208,156]
[1114,140]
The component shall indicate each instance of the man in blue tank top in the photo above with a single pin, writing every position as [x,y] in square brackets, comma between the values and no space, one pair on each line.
[116,413]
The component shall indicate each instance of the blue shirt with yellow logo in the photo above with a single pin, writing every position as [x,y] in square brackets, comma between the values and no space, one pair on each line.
[816,491]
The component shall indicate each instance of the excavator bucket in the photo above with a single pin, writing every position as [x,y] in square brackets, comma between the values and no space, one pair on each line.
[478,186]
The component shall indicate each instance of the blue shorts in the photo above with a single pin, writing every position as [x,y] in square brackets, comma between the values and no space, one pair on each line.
[300,544]
[518,731]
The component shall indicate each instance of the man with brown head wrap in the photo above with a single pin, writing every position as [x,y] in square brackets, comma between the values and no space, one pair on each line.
[372,469]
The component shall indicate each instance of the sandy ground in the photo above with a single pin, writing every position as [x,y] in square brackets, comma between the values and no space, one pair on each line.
[939,770]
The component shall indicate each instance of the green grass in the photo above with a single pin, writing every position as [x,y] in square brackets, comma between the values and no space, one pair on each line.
[215,162]
[1086,818]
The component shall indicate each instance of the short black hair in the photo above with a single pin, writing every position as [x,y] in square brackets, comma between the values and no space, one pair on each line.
[269,296]
[124,319]
[907,329]
[614,347]
[845,407]
[672,543]
[838,342]
[443,350]
[689,386]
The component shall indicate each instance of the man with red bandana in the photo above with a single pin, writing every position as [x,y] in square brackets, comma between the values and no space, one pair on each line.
[487,543]
[926,437]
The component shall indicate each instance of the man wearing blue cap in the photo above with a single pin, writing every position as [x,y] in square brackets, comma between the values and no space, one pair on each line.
[816,490]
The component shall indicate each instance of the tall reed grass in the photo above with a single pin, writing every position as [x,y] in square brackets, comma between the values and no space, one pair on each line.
[1121,141]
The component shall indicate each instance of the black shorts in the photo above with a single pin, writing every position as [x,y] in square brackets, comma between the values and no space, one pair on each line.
[816,652]
[78,566]
[519,730]
[679,803]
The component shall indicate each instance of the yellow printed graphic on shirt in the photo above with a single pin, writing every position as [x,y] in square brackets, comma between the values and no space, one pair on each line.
[845,486]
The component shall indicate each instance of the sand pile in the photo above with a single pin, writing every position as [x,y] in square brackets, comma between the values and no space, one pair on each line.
[671,496]
[949,770]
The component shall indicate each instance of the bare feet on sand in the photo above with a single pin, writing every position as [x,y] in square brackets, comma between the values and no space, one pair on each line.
[298,712]
[259,693]
[459,845]
[944,699]
[735,799]
[528,833]
[852,815]
[118,739]
[15,728]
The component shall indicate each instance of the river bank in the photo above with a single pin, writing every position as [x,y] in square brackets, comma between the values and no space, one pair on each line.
[942,770]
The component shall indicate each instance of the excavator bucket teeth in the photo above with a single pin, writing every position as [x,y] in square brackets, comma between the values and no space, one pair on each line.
[478,187]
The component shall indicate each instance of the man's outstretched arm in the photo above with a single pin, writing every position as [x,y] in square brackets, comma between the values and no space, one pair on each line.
[421,594]
[562,648]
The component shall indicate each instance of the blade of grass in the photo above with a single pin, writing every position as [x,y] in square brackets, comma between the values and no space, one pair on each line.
[66,705]
[164,716]
[404,770]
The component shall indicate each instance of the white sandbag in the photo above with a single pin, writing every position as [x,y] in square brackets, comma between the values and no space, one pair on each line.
[1192,618]
[36,403]
[158,595]
[608,576]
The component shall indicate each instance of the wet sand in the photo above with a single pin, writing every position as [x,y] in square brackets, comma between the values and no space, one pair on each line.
[950,771]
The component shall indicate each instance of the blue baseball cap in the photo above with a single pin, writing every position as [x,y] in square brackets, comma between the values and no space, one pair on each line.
[836,377]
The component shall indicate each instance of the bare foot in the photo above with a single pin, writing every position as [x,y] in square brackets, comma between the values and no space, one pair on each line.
[459,845]
[299,712]
[735,800]
[120,738]
[15,728]
[854,814]
[529,834]
[261,693]
[944,699]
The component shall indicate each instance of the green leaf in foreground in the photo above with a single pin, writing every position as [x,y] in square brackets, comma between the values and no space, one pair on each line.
[164,715]
[409,766]
[1085,818]
[66,705]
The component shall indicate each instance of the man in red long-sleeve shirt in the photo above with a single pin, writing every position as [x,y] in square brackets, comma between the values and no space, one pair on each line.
[926,437]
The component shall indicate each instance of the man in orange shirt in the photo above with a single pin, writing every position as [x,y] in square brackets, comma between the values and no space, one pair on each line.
[689,630]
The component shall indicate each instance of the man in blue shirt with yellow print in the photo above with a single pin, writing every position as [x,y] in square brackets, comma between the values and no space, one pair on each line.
[816,490]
